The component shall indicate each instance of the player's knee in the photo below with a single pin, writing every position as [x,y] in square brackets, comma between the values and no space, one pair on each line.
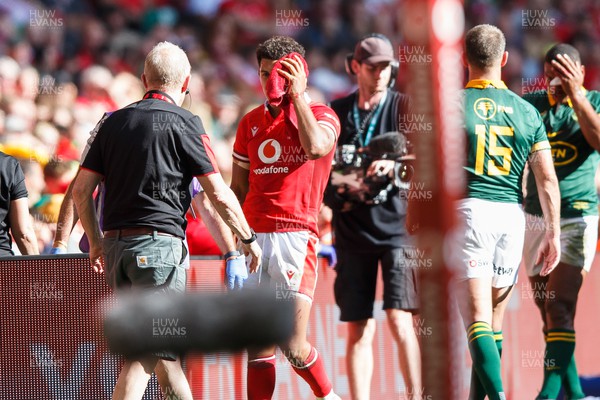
[539,299]
[560,312]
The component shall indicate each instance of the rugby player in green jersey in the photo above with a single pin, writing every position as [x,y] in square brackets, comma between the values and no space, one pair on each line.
[570,114]
[503,133]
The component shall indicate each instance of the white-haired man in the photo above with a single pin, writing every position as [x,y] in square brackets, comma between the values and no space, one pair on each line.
[147,154]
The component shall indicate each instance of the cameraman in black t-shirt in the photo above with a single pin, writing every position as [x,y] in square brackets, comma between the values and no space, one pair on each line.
[368,218]
[146,154]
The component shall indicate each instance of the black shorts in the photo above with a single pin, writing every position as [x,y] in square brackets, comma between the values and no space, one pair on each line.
[357,279]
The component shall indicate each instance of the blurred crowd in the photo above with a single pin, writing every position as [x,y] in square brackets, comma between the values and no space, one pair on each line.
[531,27]
[63,63]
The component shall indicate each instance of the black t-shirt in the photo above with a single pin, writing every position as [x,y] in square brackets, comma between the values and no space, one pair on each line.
[12,187]
[369,227]
[148,153]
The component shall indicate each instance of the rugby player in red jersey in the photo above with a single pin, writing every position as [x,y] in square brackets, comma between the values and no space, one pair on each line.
[282,158]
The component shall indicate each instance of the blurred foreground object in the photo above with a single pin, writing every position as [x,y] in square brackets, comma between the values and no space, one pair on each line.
[140,325]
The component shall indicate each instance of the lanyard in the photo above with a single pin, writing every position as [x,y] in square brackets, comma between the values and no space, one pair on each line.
[372,121]
[157,94]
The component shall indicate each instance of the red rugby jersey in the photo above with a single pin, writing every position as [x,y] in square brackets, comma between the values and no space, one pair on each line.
[285,187]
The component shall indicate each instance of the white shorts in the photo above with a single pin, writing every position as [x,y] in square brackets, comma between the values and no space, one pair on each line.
[578,237]
[489,241]
[289,264]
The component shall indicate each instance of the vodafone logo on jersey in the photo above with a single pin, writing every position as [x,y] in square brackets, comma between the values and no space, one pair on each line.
[269,151]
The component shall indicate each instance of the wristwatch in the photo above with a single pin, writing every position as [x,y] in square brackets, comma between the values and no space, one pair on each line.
[251,239]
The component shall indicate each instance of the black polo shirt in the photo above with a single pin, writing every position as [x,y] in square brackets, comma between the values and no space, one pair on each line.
[12,187]
[148,153]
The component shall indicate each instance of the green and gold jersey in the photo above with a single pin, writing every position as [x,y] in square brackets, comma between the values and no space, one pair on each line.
[502,131]
[575,160]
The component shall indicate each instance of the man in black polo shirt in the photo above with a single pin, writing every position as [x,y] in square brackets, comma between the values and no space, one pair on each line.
[147,154]
[15,220]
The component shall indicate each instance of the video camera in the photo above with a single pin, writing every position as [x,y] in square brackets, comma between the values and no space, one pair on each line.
[349,174]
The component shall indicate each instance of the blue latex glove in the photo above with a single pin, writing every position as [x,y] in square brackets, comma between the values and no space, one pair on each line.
[236,272]
[57,250]
[328,251]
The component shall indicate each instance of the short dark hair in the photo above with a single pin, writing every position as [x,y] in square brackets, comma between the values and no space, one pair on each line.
[54,169]
[277,47]
[562,48]
[484,45]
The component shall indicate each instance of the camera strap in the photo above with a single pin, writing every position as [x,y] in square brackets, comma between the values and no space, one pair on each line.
[372,120]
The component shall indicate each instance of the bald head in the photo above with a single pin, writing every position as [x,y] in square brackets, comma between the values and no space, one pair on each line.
[484,46]
[166,67]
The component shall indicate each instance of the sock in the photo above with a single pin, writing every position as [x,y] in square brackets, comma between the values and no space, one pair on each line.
[560,345]
[486,359]
[313,372]
[260,380]
[545,341]
[571,382]
[498,338]
[477,391]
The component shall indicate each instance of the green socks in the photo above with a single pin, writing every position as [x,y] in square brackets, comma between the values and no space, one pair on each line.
[498,338]
[560,345]
[571,382]
[477,391]
[486,360]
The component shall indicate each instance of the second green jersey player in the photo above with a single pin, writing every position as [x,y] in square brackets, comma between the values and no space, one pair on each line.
[570,115]
[575,161]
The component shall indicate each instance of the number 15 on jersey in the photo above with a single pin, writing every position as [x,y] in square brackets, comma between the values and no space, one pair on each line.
[494,166]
